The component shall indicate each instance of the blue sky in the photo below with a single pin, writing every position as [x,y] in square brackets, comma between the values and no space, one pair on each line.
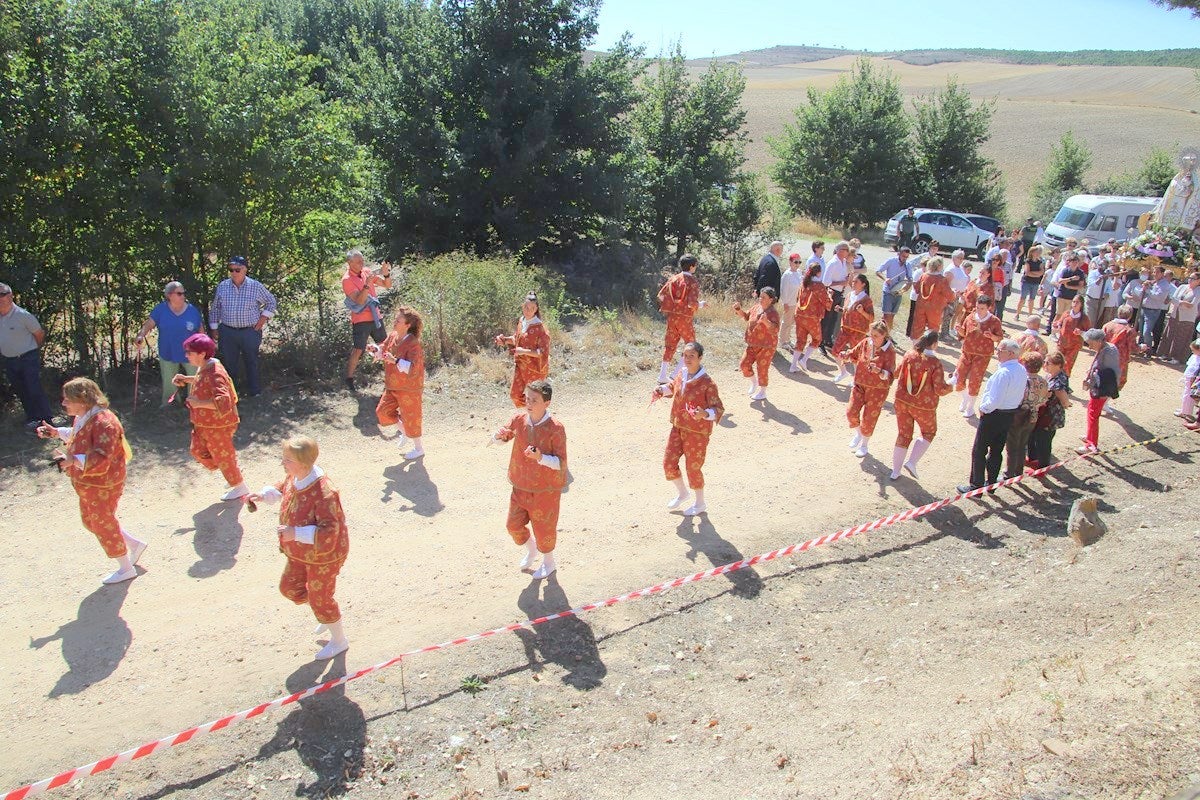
[719,28]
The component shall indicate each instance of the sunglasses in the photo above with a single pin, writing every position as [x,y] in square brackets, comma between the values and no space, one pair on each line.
[237,269]
[179,293]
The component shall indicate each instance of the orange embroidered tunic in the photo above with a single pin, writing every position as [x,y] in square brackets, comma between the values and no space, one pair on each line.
[935,291]
[213,383]
[317,504]
[814,301]
[680,295]
[699,392]
[920,381]
[404,348]
[859,316]
[865,354]
[535,337]
[1070,331]
[550,438]
[762,328]
[101,441]
[976,340]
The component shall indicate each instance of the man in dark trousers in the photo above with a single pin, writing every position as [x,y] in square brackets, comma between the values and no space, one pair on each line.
[907,229]
[769,270]
[998,403]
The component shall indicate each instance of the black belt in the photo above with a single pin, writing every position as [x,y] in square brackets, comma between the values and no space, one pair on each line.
[235,327]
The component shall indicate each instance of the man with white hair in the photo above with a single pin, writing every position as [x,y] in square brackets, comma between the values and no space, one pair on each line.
[835,274]
[1002,395]
[358,283]
[176,320]
[770,268]
[21,339]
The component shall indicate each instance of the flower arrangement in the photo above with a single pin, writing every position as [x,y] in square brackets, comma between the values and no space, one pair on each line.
[1172,246]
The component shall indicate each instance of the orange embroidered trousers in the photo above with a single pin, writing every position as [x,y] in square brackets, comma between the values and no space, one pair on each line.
[757,358]
[213,448]
[907,417]
[970,372]
[313,584]
[679,329]
[98,510]
[405,407]
[538,510]
[865,406]
[692,448]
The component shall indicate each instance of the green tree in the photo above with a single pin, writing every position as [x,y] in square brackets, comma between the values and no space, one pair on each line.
[690,150]
[1187,5]
[1070,160]
[950,170]
[846,158]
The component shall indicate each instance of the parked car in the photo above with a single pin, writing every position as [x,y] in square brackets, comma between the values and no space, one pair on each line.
[951,229]
[989,224]
[1098,217]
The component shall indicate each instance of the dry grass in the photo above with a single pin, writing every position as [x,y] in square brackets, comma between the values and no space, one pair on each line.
[1121,112]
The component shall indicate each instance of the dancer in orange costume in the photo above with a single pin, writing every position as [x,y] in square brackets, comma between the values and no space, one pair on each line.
[933,295]
[814,302]
[313,536]
[762,334]
[679,299]
[212,403]
[1031,340]
[875,366]
[1120,334]
[980,287]
[858,315]
[399,409]
[920,386]
[537,470]
[695,408]
[530,348]
[982,332]
[1070,326]
[95,458]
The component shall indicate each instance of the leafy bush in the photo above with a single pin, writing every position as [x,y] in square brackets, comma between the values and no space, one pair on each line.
[466,300]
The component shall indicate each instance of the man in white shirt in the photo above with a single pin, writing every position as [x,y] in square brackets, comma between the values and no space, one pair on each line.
[835,275]
[1001,396]
[789,293]
[959,278]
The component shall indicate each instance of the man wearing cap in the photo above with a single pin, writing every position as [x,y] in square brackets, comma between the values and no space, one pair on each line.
[908,229]
[896,275]
[240,309]
[366,322]
[21,339]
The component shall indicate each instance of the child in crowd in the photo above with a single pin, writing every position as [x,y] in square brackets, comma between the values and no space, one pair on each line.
[814,301]
[530,349]
[678,300]
[875,366]
[695,408]
[399,409]
[537,470]
[762,333]
[1190,381]
[858,314]
[1070,326]
[1031,341]
[920,386]
[982,331]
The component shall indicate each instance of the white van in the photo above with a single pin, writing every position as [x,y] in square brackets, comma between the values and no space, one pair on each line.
[1098,217]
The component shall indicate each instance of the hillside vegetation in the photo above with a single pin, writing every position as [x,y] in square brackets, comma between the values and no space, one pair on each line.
[790,54]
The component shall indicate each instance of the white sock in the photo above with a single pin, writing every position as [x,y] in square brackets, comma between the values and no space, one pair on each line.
[918,449]
[124,563]
[898,454]
[808,351]
[754,384]
[700,497]
[530,553]
[862,445]
[338,642]
[855,439]
[548,566]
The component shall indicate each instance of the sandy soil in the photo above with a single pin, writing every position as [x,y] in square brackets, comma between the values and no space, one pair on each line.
[930,659]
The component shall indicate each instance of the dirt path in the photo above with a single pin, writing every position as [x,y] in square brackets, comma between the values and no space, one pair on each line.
[899,650]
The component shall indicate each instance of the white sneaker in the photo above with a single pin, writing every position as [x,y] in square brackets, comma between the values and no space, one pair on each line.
[332,649]
[677,501]
[841,376]
[544,571]
[803,364]
[402,442]
[321,628]
[911,468]
[855,440]
[761,394]
[861,451]
[120,576]
[527,560]
[414,454]
[696,510]
[236,492]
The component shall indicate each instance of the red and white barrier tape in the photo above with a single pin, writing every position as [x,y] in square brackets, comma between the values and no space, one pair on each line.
[190,734]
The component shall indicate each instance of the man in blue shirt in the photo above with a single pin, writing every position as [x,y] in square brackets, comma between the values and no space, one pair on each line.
[896,275]
[998,403]
[176,320]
